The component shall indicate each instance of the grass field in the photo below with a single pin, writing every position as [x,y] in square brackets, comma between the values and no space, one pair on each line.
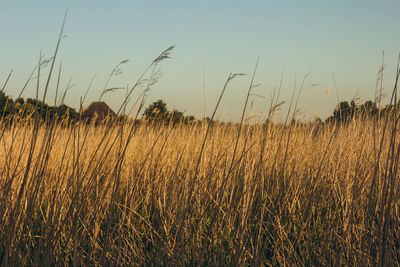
[129,193]
[138,194]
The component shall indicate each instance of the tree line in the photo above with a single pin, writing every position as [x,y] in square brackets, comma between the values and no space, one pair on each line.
[344,112]
[27,108]
[157,112]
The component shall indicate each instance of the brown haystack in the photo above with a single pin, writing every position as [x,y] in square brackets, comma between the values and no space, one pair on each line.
[98,111]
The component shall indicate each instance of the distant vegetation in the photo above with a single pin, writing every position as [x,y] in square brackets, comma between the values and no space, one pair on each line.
[157,112]
[21,108]
[344,112]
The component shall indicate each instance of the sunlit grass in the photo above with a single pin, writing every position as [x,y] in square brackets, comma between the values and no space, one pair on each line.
[84,201]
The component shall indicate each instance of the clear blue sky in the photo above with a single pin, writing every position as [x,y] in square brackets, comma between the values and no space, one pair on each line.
[340,38]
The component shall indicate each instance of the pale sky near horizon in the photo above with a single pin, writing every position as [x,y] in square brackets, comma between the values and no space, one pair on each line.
[344,39]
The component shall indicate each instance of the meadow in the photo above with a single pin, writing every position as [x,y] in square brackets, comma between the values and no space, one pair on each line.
[124,192]
[131,193]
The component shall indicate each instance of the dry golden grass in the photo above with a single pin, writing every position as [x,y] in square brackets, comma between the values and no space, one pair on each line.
[201,194]
[75,196]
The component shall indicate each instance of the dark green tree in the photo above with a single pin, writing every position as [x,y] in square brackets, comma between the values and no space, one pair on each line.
[157,111]
[6,105]
[343,112]
[20,101]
